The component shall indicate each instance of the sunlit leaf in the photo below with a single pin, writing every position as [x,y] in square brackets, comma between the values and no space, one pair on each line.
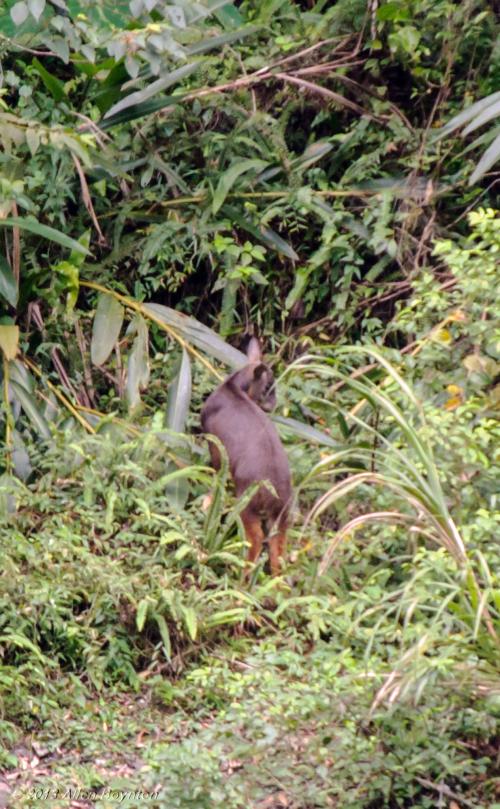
[138,364]
[9,340]
[179,397]
[19,12]
[489,158]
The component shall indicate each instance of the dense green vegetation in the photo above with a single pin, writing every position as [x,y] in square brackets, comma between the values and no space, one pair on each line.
[174,176]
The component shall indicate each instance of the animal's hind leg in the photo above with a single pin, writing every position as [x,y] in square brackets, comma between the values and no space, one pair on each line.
[277,544]
[254,534]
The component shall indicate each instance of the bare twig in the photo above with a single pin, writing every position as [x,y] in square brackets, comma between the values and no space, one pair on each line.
[87,200]
[316,88]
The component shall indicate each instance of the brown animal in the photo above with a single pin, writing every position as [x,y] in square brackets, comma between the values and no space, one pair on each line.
[234,413]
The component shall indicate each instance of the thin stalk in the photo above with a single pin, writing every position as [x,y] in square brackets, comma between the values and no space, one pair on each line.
[9,418]
[62,398]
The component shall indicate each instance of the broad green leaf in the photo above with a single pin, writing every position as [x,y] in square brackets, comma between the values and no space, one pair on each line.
[142,612]
[396,12]
[190,621]
[299,285]
[106,328]
[229,16]
[45,231]
[272,239]
[155,87]
[179,397]
[53,84]
[30,407]
[165,635]
[138,364]
[199,335]
[489,158]
[9,341]
[8,284]
[229,177]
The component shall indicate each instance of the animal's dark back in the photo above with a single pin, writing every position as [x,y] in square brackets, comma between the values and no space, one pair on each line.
[251,440]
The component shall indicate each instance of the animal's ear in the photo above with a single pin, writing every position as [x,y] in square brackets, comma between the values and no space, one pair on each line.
[253,351]
[259,371]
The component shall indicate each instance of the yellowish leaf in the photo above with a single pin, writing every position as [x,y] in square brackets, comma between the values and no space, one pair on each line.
[443,335]
[9,341]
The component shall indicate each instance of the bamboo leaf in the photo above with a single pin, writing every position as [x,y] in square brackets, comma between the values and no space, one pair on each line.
[179,397]
[489,158]
[8,284]
[305,431]
[199,335]
[106,328]
[467,114]
[491,111]
[45,231]
[229,177]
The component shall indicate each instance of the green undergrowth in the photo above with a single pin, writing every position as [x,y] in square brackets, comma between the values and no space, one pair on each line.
[270,724]
[136,657]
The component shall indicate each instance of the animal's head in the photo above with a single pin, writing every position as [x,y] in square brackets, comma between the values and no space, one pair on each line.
[257,379]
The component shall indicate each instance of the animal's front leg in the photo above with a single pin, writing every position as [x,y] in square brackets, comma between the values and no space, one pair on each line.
[277,544]
[254,534]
